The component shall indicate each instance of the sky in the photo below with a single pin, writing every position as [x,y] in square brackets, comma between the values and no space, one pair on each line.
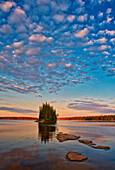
[60,52]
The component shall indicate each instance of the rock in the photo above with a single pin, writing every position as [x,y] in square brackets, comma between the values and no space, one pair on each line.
[101,147]
[75,156]
[64,136]
[42,121]
[86,141]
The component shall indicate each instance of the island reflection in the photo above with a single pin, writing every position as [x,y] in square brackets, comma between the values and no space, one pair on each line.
[46,132]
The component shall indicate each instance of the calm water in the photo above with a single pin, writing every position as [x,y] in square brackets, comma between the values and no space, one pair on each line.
[27,145]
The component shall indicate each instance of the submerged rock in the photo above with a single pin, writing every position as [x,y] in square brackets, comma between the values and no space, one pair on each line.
[101,147]
[64,136]
[75,156]
[86,141]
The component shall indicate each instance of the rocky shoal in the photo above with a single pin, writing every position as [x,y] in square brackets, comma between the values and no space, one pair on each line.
[75,156]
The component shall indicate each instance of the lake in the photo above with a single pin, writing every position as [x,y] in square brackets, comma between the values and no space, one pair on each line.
[28,145]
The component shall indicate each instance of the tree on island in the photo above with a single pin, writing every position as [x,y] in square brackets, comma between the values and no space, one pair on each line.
[47,114]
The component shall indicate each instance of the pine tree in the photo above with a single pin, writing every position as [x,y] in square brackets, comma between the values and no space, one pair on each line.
[47,113]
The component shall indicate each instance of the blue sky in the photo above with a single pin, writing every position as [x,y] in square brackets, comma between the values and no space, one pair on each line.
[59,51]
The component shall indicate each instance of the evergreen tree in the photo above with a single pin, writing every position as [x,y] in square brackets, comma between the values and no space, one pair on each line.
[47,113]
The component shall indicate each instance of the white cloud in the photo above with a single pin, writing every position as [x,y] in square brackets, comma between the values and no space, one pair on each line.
[21,29]
[7,5]
[67,33]
[40,38]
[49,38]
[103,47]
[101,40]
[82,18]
[59,17]
[90,27]
[54,51]
[51,65]
[109,19]
[90,42]
[37,37]
[19,11]
[6,29]
[81,33]
[92,17]
[71,18]
[38,29]
[17,15]
[100,14]
[85,49]
[102,23]
[112,40]
[17,44]
[108,11]
[111,70]
[33,51]
[112,32]
[32,60]
[68,65]
[19,51]
[101,32]
[106,53]
[8,46]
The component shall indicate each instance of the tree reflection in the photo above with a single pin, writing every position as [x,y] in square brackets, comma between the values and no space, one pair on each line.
[46,132]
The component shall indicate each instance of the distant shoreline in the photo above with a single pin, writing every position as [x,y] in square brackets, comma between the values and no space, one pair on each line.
[101,118]
[105,118]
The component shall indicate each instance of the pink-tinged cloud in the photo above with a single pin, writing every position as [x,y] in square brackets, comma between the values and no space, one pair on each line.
[17,16]
[100,14]
[59,18]
[101,40]
[108,10]
[7,5]
[37,37]
[68,65]
[17,44]
[91,106]
[81,33]
[112,32]
[82,18]
[103,47]
[19,11]
[71,18]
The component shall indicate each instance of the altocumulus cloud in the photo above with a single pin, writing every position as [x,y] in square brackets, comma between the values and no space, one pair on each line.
[53,44]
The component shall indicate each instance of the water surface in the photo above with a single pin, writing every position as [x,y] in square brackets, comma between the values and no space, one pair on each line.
[28,145]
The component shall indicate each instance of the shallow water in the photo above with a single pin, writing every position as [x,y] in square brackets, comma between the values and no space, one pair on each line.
[27,145]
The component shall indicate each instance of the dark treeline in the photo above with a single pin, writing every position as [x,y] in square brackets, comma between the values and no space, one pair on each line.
[91,118]
[83,118]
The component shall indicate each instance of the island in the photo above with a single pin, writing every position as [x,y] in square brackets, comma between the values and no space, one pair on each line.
[47,114]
